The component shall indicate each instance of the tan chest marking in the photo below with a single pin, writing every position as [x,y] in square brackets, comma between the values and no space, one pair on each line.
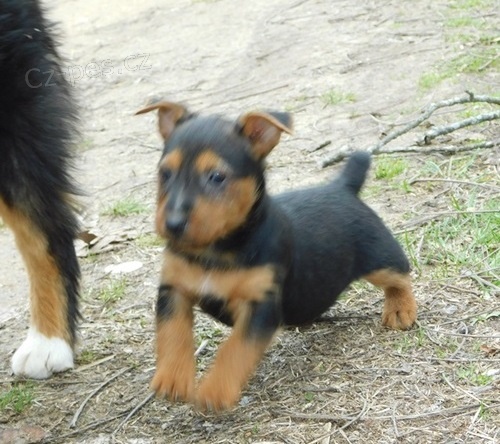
[248,284]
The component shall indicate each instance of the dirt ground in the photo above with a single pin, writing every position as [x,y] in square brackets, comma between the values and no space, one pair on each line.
[343,380]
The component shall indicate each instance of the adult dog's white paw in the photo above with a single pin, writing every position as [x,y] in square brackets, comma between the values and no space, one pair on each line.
[40,356]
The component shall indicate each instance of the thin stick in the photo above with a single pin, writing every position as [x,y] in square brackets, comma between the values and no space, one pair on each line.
[470,98]
[90,426]
[430,423]
[446,129]
[455,353]
[447,149]
[358,417]
[475,315]
[444,412]
[77,414]
[431,216]
[202,347]
[317,417]
[463,360]
[457,289]
[151,395]
[321,146]
[394,423]
[466,335]
[133,412]
[463,182]
[456,388]
[427,112]
[94,364]
[345,426]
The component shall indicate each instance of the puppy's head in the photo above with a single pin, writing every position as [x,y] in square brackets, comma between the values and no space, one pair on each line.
[211,171]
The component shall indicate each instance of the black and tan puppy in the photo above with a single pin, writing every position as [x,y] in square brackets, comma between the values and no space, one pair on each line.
[250,260]
[37,128]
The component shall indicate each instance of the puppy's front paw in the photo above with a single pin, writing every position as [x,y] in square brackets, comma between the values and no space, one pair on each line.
[175,382]
[39,356]
[216,395]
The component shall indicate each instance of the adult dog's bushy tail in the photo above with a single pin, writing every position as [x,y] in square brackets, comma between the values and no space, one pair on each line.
[354,173]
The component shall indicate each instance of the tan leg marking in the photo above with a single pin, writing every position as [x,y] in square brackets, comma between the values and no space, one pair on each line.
[235,362]
[47,296]
[175,365]
[400,307]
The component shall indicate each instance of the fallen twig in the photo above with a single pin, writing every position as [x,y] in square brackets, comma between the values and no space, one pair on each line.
[77,414]
[317,416]
[446,129]
[133,412]
[431,216]
[465,336]
[150,396]
[93,425]
[470,98]
[444,412]
[446,149]
[95,363]
[321,146]
[428,424]
[426,113]
[463,182]
[202,347]
[345,426]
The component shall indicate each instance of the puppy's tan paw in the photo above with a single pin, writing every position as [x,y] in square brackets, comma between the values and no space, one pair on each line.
[174,382]
[400,313]
[216,395]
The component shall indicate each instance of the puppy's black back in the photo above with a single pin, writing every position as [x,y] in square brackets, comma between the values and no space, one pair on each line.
[336,239]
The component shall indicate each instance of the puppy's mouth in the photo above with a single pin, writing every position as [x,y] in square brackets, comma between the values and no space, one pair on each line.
[186,244]
[181,235]
[186,230]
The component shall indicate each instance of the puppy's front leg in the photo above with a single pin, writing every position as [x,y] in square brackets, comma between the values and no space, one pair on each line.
[255,324]
[175,365]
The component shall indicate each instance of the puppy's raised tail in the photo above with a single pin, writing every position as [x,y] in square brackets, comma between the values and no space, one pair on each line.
[354,173]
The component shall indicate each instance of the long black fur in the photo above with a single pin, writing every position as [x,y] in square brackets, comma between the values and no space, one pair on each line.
[37,128]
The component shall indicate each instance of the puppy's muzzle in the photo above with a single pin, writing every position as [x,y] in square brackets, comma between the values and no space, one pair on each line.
[178,209]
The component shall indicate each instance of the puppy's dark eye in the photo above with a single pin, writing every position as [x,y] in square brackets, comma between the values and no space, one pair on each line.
[216,178]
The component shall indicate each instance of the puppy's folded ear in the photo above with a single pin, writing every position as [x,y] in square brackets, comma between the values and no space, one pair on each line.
[264,129]
[169,114]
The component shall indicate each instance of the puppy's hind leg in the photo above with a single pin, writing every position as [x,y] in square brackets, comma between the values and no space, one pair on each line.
[53,271]
[400,307]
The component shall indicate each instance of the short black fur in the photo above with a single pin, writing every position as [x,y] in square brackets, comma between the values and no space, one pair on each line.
[325,236]
[255,261]
[320,239]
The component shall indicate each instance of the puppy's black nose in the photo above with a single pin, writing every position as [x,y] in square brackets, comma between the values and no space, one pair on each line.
[176,225]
